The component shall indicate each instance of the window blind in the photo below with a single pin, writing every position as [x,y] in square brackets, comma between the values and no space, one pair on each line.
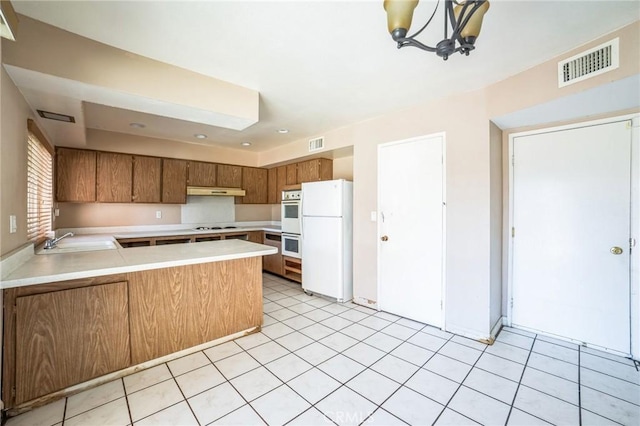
[39,189]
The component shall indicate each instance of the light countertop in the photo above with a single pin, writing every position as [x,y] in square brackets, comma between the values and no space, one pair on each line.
[40,269]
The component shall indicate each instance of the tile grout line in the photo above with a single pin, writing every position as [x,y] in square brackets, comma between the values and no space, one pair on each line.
[579,389]
[460,384]
[64,411]
[126,399]
[515,395]
[234,388]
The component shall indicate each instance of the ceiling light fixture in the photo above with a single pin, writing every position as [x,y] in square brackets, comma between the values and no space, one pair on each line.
[246,144]
[465,20]
[137,125]
[200,136]
[283,131]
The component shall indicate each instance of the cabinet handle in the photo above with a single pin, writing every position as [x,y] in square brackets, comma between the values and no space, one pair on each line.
[384,238]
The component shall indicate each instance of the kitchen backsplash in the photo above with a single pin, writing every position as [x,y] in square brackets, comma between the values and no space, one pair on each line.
[208,210]
[80,215]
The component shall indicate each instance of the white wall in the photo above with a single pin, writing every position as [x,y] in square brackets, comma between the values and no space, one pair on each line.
[495,297]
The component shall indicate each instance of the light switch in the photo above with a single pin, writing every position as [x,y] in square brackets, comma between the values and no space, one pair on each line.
[13,226]
[374,216]
[158,214]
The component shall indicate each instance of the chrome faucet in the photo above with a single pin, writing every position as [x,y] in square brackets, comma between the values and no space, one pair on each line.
[51,243]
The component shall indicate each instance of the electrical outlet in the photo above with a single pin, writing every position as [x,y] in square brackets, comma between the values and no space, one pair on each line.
[56,212]
[13,226]
[158,214]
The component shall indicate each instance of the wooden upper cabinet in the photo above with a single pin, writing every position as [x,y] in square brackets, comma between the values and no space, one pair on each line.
[114,177]
[75,175]
[70,336]
[202,174]
[282,181]
[254,182]
[272,186]
[174,181]
[147,177]
[229,176]
[315,170]
[292,174]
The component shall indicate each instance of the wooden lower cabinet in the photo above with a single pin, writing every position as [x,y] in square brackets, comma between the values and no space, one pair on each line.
[292,268]
[176,308]
[61,334]
[273,262]
[68,337]
[255,236]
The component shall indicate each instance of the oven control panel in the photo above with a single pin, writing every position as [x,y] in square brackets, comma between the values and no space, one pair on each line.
[291,195]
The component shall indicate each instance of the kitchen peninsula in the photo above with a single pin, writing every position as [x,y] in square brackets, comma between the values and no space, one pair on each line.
[77,316]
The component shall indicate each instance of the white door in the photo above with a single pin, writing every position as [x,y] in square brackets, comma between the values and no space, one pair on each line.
[410,186]
[571,210]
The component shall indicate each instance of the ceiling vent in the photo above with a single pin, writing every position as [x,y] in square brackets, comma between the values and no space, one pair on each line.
[316,144]
[56,116]
[596,61]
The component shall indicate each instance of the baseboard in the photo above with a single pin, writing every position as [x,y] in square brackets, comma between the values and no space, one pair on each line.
[468,333]
[496,328]
[367,303]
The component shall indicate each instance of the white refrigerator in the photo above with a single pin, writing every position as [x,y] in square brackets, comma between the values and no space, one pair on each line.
[327,238]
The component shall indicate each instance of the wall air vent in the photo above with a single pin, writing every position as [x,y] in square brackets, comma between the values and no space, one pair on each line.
[596,61]
[316,144]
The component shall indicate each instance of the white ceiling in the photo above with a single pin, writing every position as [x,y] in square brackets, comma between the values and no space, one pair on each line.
[319,65]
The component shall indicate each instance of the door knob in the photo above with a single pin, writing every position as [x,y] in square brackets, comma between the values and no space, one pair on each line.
[384,238]
[616,250]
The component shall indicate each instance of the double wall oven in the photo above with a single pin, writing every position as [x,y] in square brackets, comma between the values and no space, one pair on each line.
[292,223]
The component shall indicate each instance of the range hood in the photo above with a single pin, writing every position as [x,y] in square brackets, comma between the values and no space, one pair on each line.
[215,191]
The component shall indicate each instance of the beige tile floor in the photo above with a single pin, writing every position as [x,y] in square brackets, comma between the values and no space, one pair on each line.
[319,363]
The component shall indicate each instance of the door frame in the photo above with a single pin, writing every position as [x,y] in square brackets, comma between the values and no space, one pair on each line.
[634,278]
[443,268]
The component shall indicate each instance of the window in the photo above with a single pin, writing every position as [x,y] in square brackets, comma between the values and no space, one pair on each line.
[39,189]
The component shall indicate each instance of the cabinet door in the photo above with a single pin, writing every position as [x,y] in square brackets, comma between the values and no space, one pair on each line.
[254,182]
[292,174]
[174,181]
[147,176]
[114,177]
[176,308]
[307,171]
[272,186]
[282,181]
[70,336]
[229,176]
[326,169]
[75,175]
[202,174]
[315,170]
[273,262]
[255,237]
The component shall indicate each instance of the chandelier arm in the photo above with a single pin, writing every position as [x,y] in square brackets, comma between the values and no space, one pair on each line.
[467,16]
[455,26]
[428,21]
[410,41]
